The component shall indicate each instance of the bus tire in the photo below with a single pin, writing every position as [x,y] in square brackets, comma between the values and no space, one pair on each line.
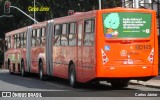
[120,84]
[72,76]
[23,73]
[41,73]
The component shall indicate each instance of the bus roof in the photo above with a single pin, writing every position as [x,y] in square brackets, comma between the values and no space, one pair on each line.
[24,29]
[76,16]
[120,9]
[40,24]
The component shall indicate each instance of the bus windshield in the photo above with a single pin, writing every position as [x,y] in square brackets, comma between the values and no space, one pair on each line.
[127,25]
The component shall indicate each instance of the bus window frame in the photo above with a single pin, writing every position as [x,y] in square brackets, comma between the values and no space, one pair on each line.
[17,42]
[80,34]
[66,34]
[74,33]
[66,31]
[21,40]
[38,38]
[93,23]
[43,36]
[69,28]
[8,42]
[57,35]
[34,34]
[14,45]
[24,39]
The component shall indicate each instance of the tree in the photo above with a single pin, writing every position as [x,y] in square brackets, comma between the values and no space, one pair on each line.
[58,8]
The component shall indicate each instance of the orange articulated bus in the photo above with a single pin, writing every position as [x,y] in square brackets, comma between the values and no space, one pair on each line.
[114,45]
[24,47]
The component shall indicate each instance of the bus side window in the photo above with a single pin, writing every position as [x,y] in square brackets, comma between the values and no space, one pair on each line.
[58,32]
[33,38]
[64,36]
[6,43]
[72,34]
[80,27]
[89,27]
[43,38]
[24,39]
[21,40]
[38,43]
[15,41]
[9,42]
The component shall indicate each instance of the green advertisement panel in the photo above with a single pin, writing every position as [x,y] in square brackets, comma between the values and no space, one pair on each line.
[126,25]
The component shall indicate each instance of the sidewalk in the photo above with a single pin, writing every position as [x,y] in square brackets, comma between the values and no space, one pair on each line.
[154,82]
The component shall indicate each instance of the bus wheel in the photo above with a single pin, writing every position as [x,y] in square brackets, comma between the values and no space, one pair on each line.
[23,73]
[41,75]
[120,84]
[72,76]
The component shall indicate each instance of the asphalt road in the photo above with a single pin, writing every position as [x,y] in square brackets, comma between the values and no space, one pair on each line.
[56,87]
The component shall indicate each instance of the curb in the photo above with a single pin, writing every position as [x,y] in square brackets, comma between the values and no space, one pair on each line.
[146,84]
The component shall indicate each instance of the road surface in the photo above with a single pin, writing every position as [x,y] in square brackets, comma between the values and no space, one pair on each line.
[57,87]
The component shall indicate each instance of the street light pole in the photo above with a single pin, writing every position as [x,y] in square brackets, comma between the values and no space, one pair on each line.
[100,5]
[24,13]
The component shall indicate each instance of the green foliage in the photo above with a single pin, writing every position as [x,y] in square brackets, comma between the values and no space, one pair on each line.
[58,8]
